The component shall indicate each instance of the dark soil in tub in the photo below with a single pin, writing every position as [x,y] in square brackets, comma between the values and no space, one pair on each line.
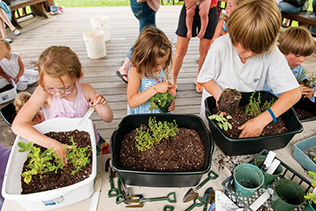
[63,177]
[183,152]
[6,88]
[302,114]
[240,117]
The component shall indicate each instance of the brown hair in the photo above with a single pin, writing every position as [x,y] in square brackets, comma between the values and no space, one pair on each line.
[297,41]
[57,61]
[255,24]
[20,99]
[151,44]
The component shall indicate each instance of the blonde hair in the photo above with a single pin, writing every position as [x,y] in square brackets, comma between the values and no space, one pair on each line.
[6,43]
[57,61]
[255,24]
[20,99]
[151,44]
[296,40]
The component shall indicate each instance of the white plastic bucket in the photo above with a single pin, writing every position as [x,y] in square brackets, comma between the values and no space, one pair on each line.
[101,23]
[95,44]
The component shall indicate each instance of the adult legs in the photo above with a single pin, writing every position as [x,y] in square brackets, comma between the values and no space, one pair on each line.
[146,16]
[181,50]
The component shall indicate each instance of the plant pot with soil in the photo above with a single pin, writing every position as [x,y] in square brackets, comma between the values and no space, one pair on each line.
[193,139]
[60,196]
[241,146]
[161,101]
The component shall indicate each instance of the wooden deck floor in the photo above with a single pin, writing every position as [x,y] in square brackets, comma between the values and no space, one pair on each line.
[67,29]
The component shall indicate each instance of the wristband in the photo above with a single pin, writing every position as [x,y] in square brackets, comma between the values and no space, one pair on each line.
[272,114]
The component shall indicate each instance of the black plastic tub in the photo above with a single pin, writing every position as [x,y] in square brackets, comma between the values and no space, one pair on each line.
[161,179]
[243,146]
[8,113]
[306,105]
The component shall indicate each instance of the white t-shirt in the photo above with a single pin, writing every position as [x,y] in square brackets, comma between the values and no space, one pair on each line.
[223,65]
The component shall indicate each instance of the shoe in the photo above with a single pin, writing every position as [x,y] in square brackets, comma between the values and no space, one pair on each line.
[198,87]
[8,39]
[121,76]
[16,32]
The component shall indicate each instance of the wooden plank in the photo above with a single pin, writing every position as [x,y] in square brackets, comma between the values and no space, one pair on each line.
[303,17]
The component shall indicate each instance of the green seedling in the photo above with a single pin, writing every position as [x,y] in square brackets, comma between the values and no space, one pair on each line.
[160,100]
[222,120]
[155,133]
[311,196]
[255,107]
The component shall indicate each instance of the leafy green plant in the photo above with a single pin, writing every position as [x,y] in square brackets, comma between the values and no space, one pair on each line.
[155,133]
[160,100]
[309,81]
[79,157]
[311,196]
[222,120]
[39,163]
[255,107]
[48,161]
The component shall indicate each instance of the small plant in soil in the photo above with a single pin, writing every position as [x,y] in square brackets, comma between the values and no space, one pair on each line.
[312,196]
[309,82]
[162,146]
[155,133]
[311,153]
[222,120]
[160,100]
[43,170]
[39,163]
[255,107]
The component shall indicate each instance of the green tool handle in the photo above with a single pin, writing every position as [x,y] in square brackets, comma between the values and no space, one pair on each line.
[206,203]
[210,176]
[168,198]
[120,197]
[196,204]
[112,192]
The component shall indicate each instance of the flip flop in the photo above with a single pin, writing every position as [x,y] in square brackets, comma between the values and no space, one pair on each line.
[198,87]
[121,76]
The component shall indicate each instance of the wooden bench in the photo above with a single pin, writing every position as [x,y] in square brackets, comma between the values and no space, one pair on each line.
[37,8]
[304,18]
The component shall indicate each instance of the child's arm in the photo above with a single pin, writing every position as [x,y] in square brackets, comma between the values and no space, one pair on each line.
[98,101]
[135,99]
[218,30]
[22,123]
[16,79]
[4,75]
[254,127]
[212,88]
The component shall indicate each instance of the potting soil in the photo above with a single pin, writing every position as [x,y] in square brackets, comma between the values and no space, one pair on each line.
[183,152]
[63,177]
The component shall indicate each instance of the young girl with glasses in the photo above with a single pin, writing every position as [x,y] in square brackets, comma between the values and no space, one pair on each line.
[60,94]
[148,75]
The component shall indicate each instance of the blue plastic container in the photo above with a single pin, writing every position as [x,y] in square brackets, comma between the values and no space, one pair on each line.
[301,157]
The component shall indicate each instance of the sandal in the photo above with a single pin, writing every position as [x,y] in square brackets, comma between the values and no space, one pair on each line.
[198,87]
[8,39]
[121,76]
[16,32]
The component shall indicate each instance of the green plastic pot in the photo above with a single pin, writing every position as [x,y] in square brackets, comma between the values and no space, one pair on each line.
[287,195]
[268,178]
[309,206]
[247,179]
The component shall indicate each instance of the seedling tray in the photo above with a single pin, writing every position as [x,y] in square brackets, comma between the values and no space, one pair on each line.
[245,203]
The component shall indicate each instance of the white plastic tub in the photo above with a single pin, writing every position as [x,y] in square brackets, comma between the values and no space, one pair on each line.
[51,199]
[8,95]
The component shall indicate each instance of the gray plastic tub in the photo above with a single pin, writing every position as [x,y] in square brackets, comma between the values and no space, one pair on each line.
[301,157]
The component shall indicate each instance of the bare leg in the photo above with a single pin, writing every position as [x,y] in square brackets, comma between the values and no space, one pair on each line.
[5,18]
[204,10]
[189,20]
[2,29]
[124,68]
[205,44]
[181,50]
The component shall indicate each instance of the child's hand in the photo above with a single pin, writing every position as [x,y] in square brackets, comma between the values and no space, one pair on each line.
[250,129]
[306,91]
[15,79]
[60,151]
[98,99]
[163,87]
